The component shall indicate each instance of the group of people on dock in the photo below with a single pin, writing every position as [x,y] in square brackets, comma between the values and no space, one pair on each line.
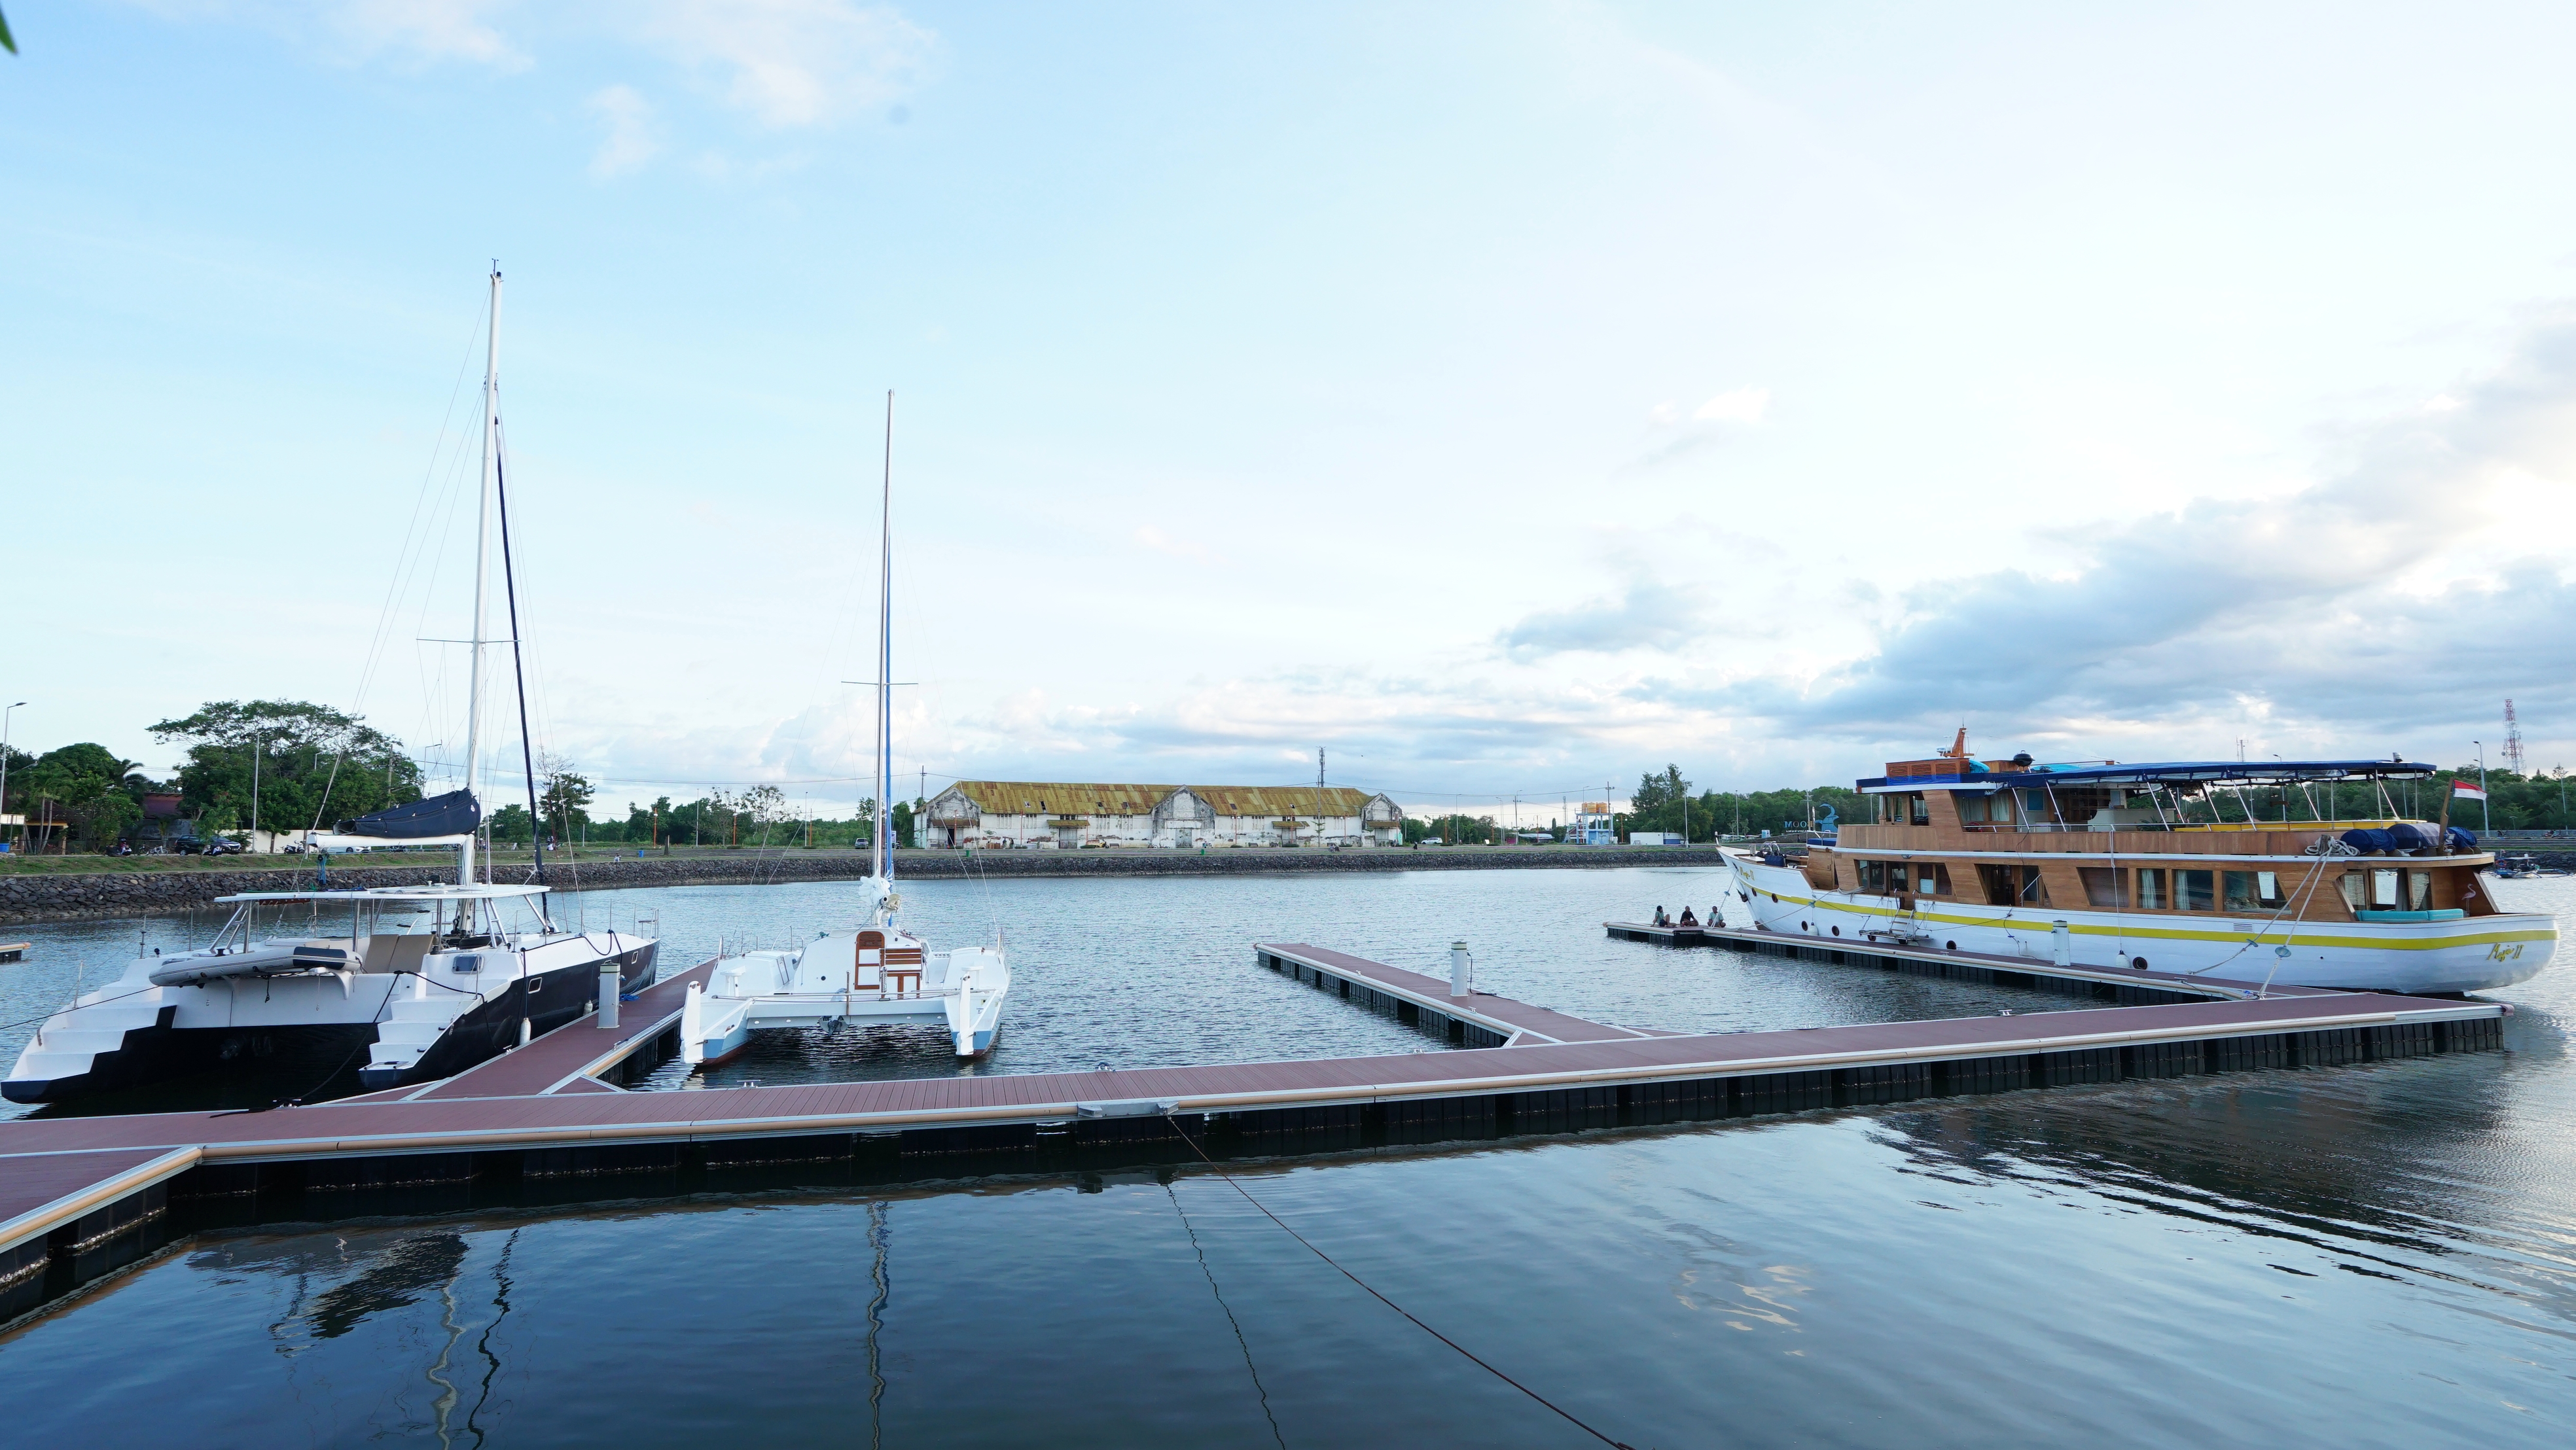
[1664,919]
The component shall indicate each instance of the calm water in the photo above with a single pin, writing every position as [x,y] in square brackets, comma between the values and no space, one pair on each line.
[2370,1256]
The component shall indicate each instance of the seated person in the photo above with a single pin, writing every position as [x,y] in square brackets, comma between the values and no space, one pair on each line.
[1687,918]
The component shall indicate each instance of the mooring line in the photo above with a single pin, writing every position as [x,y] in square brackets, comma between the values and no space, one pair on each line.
[1568,1415]
[1240,1342]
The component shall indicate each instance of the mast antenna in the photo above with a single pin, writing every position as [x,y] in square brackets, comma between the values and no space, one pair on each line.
[2512,740]
[884,861]
[482,565]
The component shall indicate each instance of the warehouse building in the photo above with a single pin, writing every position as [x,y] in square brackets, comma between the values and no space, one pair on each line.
[1070,815]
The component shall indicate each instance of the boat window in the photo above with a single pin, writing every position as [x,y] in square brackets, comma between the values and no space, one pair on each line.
[2240,890]
[2269,884]
[2350,884]
[2419,891]
[2034,805]
[1932,880]
[1873,876]
[1999,884]
[1921,808]
[2034,892]
[2151,890]
[2195,890]
[2102,886]
[2383,889]
[1972,808]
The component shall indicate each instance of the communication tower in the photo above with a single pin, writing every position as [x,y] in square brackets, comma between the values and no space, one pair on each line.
[2512,740]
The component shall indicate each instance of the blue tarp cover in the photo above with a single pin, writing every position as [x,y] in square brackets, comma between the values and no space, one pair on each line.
[452,814]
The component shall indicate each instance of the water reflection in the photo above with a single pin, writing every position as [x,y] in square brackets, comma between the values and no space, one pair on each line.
[2381,1254]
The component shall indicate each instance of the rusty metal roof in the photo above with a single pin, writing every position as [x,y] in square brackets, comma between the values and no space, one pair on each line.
[1058,798]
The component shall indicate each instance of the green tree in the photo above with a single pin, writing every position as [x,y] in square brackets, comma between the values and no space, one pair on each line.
[316,765]
[511,823]
[564,795]
[87,796]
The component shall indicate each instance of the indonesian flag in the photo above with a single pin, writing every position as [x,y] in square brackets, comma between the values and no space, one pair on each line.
[2461,790]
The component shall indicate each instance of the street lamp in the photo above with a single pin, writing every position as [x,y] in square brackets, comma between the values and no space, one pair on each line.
[4,758]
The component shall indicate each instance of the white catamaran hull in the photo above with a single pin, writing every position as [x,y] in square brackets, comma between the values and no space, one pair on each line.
[311,1027]
[2469,954]
[825,985]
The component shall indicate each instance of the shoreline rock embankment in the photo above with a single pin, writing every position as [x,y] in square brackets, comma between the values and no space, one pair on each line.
[87,895]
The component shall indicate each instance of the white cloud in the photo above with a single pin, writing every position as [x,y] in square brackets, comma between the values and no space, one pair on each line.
[1744,405]
[2400,600]
[796,63]
[630,141]
[423,31]
[1648,615]
[1163,543]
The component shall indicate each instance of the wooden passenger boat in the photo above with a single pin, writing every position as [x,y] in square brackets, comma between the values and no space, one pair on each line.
[2175,866]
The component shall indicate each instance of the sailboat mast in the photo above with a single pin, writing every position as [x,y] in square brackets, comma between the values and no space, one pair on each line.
[885,651]
[482,563]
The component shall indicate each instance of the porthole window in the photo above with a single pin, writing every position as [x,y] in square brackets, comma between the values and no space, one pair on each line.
[2139,962]
[1954,946]
[1838,931]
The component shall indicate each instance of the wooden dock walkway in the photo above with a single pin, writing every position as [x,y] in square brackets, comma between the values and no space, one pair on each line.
[1480,1019]
[80,1197]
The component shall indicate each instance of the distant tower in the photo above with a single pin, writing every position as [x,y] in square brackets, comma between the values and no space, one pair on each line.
[2512,740]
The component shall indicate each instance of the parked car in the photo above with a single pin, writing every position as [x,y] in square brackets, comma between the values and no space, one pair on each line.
[220,846]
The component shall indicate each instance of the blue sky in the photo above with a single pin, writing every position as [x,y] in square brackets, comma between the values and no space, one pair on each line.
[1504,397]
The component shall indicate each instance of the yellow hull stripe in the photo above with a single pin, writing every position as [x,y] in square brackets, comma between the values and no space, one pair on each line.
[2264,934]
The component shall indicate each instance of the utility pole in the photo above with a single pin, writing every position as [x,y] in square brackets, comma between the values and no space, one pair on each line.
[4,762]
[1319,795]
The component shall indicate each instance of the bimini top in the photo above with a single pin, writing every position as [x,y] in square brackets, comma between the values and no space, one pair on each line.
[1977,775]
[381,894]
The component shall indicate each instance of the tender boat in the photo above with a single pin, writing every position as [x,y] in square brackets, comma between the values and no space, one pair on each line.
[2525,867]
[2139,866]
[878,973]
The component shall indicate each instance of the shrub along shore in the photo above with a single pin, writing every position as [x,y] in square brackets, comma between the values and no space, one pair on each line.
[127,887]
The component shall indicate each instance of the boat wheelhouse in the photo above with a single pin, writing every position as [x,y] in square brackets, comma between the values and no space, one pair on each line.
[2239,870]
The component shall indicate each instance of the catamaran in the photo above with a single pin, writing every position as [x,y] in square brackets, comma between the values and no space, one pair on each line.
[878,973]
[2139,866]
[425,981]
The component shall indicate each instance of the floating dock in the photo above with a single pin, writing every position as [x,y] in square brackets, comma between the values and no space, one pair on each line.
[83,1197]
[2124,985]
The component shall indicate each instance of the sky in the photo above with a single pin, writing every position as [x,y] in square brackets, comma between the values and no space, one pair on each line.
[1507,399]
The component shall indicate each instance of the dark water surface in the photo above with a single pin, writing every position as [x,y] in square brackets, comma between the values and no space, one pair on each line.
[2374,1255]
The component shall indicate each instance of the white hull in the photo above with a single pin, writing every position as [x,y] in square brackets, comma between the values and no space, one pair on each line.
[2466,955]
[835,979]
[406,1020]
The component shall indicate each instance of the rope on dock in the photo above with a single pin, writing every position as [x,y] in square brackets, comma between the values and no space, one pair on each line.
[1569,1415]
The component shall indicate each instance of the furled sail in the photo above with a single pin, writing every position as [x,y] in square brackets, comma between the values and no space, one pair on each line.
[452,814]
